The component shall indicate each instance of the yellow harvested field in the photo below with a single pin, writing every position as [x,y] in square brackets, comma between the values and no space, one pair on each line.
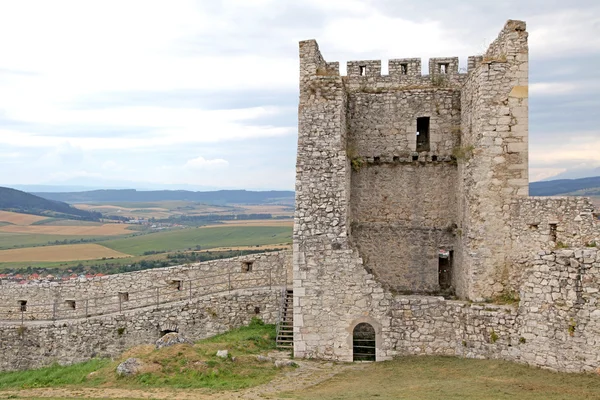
[67,252]
[257,222]
[18,218]
[98,230]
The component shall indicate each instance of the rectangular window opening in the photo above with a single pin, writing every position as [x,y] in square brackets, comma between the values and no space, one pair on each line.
[247,266]
[70,304]
[22,305]
[553,232]
[177,284]
[396,159]
[433,158]
[376,160]
[444,68]
[123,296]
[445,269]
[415,158]
[403,69]
[422,134]
[362,70]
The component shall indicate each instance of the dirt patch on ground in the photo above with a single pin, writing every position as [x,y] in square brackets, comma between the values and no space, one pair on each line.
[99,230]
[67,252]
[19,219]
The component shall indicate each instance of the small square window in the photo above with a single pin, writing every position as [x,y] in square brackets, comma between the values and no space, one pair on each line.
[247,266]
[71,304]
[177,284]
[22,305]
[123,296]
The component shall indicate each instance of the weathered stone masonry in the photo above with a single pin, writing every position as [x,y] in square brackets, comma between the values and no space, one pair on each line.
[380,209]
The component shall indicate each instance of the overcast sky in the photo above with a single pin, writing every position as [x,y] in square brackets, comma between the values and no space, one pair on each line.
[204,93]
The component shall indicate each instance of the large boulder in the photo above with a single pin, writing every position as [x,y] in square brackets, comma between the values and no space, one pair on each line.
[171,339]
[129,367]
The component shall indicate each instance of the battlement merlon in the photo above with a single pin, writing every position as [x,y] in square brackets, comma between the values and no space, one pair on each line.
[312,63]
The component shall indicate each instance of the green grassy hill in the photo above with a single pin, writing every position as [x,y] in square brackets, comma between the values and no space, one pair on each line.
[18,201]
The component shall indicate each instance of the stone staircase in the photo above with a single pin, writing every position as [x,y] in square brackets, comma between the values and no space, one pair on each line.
[285,325]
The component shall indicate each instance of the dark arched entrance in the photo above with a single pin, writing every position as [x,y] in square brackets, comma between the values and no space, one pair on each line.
[363,342]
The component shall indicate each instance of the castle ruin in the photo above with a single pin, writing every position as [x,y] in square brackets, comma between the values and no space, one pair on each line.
[413,225]
[416,184]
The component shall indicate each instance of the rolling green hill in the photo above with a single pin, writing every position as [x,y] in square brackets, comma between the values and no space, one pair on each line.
[578,187]
[18,201]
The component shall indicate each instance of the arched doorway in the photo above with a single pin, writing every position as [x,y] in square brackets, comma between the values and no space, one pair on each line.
[363,342]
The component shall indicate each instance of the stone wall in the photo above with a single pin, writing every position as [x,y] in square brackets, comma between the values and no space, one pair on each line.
[113,293]
[384,124]
[555,325]
[402,215]
[66,342]
[493,161]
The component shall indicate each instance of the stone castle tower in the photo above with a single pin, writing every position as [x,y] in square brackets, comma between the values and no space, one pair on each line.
[414,184]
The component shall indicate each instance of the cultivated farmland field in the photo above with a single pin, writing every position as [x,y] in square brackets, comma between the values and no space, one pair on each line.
[206,238]
[69,230]
[69,252]
[19,219]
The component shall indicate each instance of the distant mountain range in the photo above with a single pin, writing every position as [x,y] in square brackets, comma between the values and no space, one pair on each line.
[214,197]
[18,201]
[575,187]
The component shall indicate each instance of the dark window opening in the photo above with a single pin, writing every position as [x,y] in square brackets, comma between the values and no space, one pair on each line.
[256,310]
[363,343]
[247,266]
[433,158]
[70,304]
[123,296]
[177,284]
[553,232]
[445,269]
[377,160]
[444,68]
[533,226]
[403,69]
[423,134]
[415,158]
[362,70]
[23,305]
[396,159]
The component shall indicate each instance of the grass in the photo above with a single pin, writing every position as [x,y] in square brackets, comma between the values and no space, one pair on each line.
[205,237]
[52,376]
[179,366]
[449,378]
[20,240]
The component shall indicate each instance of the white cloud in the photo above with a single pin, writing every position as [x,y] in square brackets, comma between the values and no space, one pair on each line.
[203,163]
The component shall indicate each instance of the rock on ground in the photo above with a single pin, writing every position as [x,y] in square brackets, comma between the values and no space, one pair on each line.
[129,367]
[171,339]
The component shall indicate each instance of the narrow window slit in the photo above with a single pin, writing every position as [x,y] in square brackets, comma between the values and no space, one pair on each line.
[403,69]
[422,134]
